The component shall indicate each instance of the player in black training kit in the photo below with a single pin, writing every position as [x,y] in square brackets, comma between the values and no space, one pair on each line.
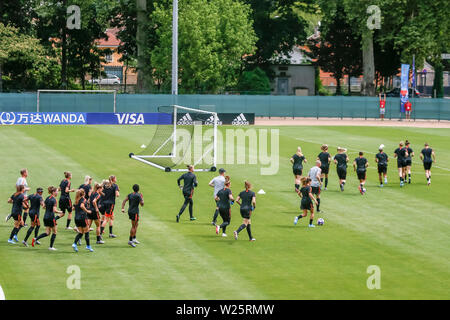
[401,153]
[428,156]
[381,158]
[360,166]
[248,205]
[36,202]
[111,192]
[81,220]
[297,166]
[64,200]
[18,200]
[408,160]
[135,200]
[94,207]
[341,160]
[86,186]
[189,183]
[49,218]
[224,200]
[307,202]
[325,159]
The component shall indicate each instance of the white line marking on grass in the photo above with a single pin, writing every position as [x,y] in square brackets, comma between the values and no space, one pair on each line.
[357,150]
[2,295]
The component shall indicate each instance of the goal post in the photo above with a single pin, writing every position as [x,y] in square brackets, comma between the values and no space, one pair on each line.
[39,102]
[180,143]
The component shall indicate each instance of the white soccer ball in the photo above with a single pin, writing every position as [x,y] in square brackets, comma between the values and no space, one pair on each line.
[320,221]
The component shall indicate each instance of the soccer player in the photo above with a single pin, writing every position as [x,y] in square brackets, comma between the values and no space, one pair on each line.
[248,205]
[314,174]
[49,218]
[428,156]
[401,153]
[307,202]
[36,202]
[408,160]
[381,158]
[382,106]
[189,183]
[22,180]
[217,183]
[111,192]
[360,165]
[86,186]
[135,200]
[94,207]
[64,200]
[17,199]
[223,198]
[81,220]
[341,159]
[297,166]
[325,159]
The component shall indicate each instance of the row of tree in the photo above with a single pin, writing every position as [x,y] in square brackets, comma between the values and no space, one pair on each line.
[223,44]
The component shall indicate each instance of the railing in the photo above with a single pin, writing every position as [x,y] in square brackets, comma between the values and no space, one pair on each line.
[261,105]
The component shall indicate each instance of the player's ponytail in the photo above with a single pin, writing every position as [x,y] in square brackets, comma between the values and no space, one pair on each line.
[19,189]
[97,186]
[111,179]
[79,195]
[303,181]
[51,189]
[248,185]
[67,174]
[227,179]
[87,179]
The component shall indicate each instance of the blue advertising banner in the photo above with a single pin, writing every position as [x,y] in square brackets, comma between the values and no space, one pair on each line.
[10,118]
[404,86]
[129,118]
[80,118]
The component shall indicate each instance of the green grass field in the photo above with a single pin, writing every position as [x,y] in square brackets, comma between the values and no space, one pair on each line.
[403,231]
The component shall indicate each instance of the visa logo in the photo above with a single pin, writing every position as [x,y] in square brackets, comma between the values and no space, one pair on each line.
[130,118]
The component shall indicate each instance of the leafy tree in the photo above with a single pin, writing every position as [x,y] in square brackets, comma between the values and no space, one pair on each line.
[279,27]
[24,61]
[18,13]
[255,81]
[337,49]
[214,35]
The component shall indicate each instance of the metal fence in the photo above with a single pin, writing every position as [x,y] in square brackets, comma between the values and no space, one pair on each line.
[261,105]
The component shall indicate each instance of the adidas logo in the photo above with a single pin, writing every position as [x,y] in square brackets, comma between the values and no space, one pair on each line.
[240,120]
[210,121]
[185,120]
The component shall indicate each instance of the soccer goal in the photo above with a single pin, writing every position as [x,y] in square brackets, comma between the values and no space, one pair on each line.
[49,100]
[185,136]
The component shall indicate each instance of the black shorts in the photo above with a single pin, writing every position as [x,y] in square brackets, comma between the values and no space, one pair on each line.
[94,215]
[133,216]
[361,174]
[382,169]
[246,213]
[325,169]
[342,173]
[306,205]
[408,162]
[225,213]
[49,222]
[34,216]
[81,223]
[107,209]
[16,216]
[315,190]
[297,172]
[427,165]
[65,204]
[401,164]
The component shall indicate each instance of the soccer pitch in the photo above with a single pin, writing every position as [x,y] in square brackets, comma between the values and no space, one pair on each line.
[403,231]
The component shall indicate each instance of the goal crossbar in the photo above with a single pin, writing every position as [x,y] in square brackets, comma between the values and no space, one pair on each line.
[74,91]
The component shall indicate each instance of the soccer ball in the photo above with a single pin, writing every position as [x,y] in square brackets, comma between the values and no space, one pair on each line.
[320,221]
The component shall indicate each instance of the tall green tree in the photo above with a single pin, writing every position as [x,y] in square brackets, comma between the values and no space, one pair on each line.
[214,36]
[337,50]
